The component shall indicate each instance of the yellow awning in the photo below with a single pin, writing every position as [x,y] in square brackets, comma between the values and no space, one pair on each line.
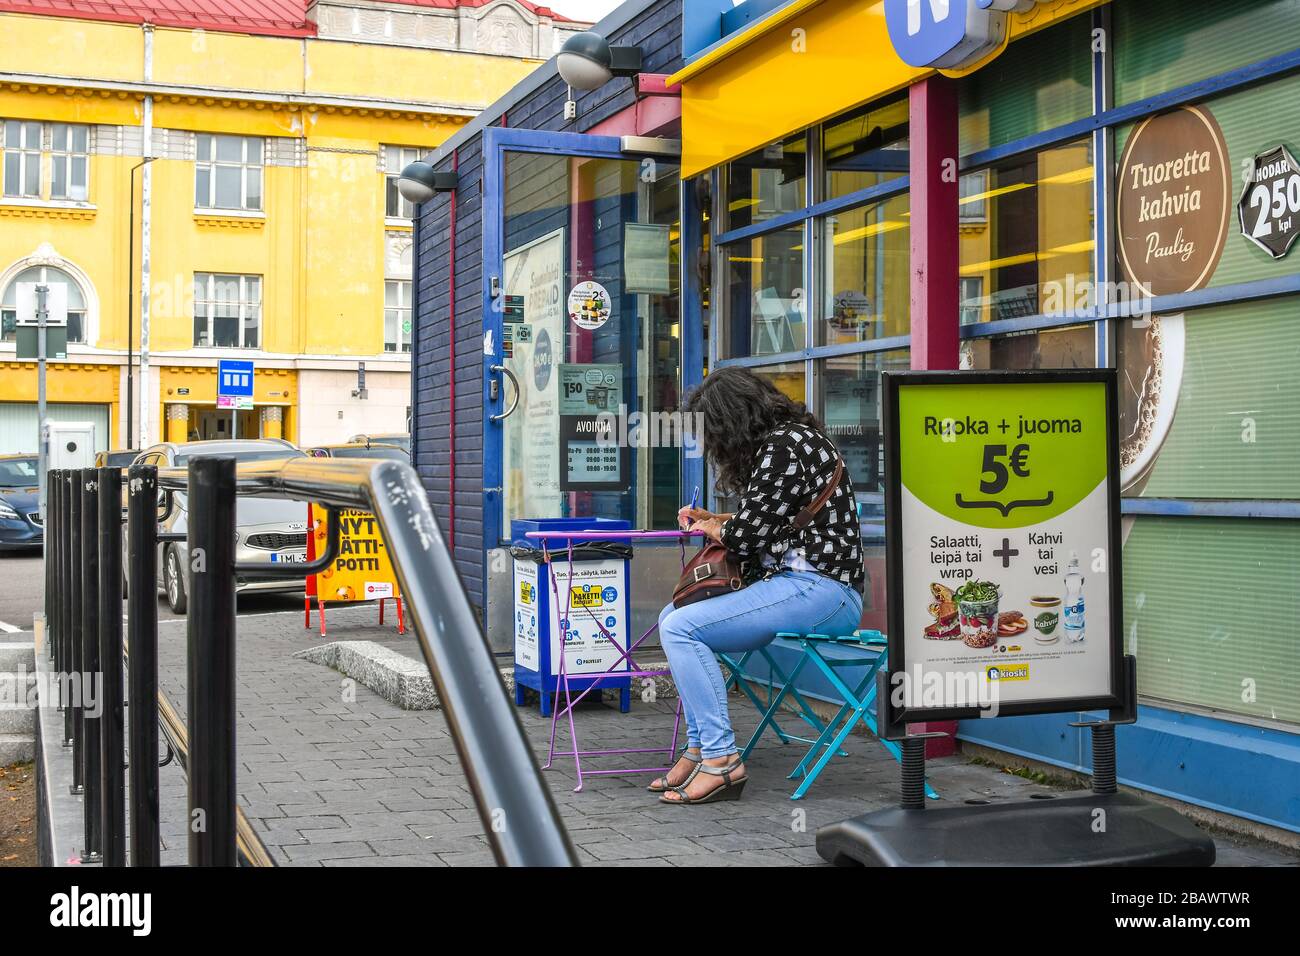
[811,60]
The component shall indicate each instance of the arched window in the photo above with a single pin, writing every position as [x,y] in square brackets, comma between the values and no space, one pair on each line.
[48,275]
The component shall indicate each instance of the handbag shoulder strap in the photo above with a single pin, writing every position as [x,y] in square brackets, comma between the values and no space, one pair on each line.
[806,515]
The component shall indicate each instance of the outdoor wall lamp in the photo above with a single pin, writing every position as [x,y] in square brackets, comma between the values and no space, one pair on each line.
[588,62]
[419,181]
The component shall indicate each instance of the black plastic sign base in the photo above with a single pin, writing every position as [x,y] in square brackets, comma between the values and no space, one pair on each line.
[1085,830]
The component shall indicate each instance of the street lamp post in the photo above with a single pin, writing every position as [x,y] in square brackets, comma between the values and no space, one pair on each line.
[42,427]
[130,311]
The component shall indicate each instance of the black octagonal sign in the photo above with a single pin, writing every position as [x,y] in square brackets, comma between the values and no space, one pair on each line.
[1269,207]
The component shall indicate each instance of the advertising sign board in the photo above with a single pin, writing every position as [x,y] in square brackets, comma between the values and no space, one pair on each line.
[1002,528]
[362,571]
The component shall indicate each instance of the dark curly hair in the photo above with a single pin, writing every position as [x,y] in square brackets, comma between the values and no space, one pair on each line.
[738,410]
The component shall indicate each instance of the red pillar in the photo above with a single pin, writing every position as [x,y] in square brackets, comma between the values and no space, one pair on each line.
[935,254]
[934,194]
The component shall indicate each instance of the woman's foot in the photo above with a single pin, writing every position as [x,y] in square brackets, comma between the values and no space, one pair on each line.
[680,772]
[716,775]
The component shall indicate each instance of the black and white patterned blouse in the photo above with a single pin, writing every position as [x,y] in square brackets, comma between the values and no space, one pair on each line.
[792,467]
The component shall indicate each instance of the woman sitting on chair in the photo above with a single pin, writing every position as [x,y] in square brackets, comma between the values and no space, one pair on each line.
[801,577]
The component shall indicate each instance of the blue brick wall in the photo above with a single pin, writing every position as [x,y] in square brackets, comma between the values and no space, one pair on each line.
[657,30]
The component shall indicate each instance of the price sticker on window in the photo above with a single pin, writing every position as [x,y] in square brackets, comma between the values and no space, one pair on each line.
[1269,207]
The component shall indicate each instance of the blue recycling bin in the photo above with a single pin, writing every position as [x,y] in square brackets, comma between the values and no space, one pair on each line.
[598,598]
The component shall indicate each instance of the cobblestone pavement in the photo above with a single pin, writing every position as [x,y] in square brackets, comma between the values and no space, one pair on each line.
[333,783]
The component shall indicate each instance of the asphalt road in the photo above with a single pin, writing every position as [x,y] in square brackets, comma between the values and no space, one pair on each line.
[22,588]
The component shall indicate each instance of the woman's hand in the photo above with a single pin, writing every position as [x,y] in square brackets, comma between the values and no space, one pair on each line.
[698,519]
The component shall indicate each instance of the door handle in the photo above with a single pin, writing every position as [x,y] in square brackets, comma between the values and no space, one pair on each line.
[513,381]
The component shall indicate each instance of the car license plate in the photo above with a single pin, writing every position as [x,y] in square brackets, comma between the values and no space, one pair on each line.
[289,557]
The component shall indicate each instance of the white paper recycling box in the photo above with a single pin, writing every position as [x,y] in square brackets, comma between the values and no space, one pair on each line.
[597,600]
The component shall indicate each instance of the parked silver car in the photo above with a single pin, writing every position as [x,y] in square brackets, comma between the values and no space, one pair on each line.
[269,531]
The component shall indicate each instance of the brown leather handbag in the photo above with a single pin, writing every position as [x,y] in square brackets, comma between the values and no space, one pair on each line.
[716,570]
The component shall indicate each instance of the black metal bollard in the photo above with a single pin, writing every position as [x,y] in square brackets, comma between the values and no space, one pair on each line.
[112,725]
[50,532]
[142,660]
[47,555]
[77,682]
[92,682]
[54,535]
[210,671]
[63,584]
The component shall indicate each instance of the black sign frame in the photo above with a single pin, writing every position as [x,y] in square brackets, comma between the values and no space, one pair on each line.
[891,383]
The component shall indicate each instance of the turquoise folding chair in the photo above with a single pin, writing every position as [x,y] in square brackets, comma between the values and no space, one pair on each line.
[859,703]
[779,686]
[858,700]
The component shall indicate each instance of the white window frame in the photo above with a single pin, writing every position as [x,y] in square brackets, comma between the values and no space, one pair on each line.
[972,290]
[206,143]
[402,346]
[73,277]
[973,211]
[67,158]
[29,156]
[205,306]
[397,158]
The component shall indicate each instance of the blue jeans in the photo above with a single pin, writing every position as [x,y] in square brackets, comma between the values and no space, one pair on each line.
[791,601]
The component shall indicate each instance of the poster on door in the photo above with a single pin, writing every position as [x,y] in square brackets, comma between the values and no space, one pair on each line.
[534,276]
[362,571]
[1003,535]
[592,457]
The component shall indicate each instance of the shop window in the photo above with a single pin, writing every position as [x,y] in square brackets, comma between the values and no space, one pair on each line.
[1161,45]
[767,183]
[397,315]
[850,408]
[865,273]
[1034,254]
[227,310]
[48,275]
[848,403]
[766,299]
[1210,403]
[1213,601]
[1074,346]
[865,148]
[397,158]
[28,146]
[1039,82]
[788,377]
[228,172]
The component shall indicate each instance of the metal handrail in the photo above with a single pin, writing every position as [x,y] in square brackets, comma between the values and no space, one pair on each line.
[250,846]
[520,819]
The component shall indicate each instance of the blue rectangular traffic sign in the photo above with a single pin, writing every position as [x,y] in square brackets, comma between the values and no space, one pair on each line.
[235,378]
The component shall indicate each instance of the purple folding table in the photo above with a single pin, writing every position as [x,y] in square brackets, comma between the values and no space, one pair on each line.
[624,654]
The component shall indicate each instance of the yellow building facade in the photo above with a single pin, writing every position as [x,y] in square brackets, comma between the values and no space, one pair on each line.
[207,193]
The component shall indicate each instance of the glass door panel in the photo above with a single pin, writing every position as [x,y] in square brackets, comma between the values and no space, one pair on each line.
[589,304]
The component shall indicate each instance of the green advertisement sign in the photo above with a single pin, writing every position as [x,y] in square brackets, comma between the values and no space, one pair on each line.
[1007,457]
[1003,541]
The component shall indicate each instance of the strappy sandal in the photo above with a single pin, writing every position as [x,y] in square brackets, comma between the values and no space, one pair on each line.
[696,759]
[730,789]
